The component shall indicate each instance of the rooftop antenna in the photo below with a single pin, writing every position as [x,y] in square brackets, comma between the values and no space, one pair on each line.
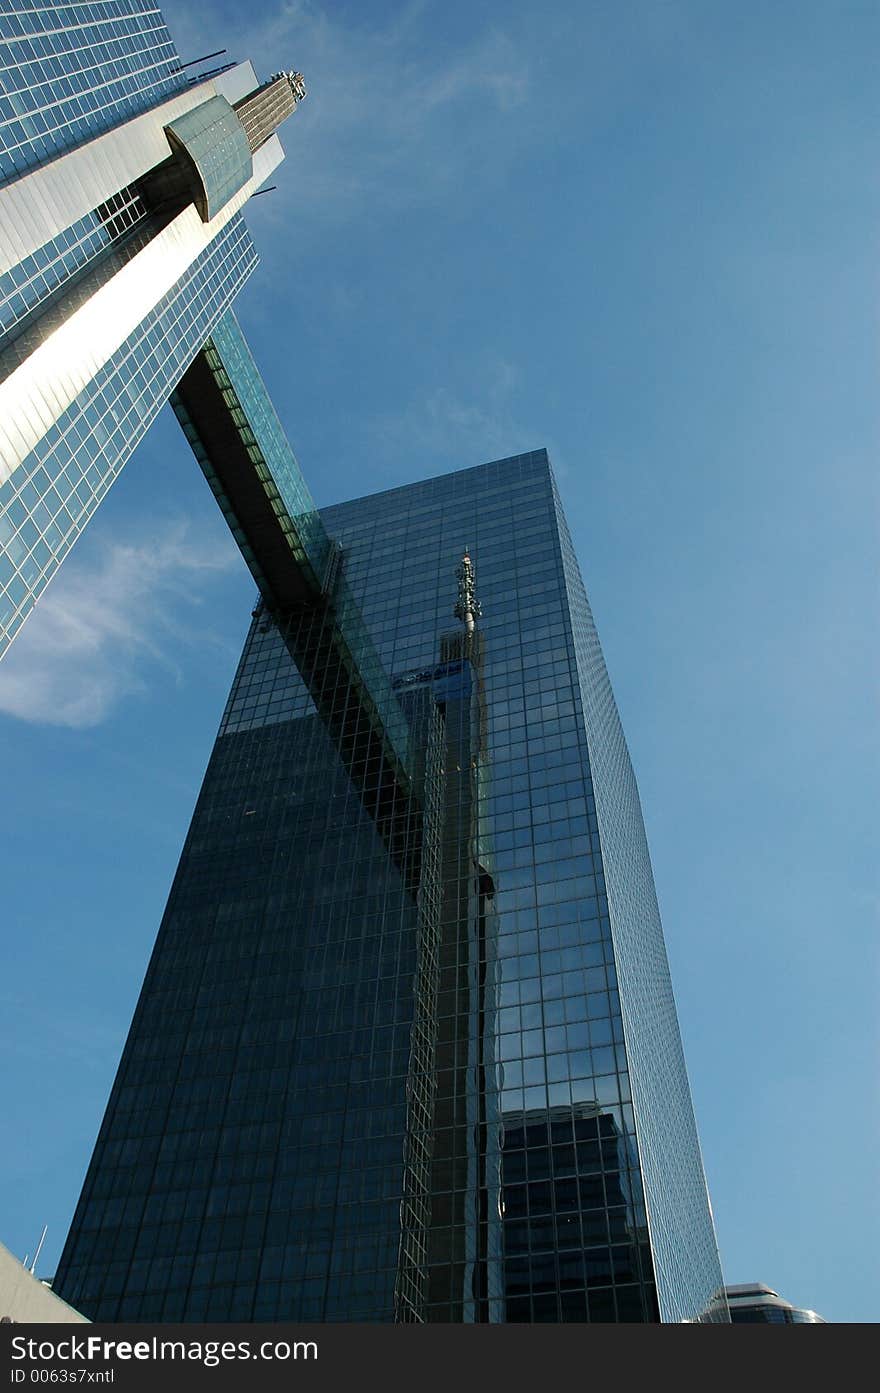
[204,58]
[33,1265]
[467,607]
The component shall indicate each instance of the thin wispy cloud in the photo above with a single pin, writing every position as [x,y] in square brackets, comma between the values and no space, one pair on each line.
[445,425]
[109,622]
[390,119]
[442,424]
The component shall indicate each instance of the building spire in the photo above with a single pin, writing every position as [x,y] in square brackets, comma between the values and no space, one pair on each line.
[262,111]
[467,607]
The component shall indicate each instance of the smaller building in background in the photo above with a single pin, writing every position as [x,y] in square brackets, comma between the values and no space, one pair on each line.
[25,1300]
[752,1303]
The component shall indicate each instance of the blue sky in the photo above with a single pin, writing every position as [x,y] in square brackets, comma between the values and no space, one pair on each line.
[645,235]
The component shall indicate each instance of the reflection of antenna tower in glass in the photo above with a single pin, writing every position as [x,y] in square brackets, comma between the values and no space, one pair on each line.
[467,606]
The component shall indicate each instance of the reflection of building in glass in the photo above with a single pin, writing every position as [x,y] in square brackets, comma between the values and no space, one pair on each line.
[575,1239]
[407,1047]
[123,181]
[752,1303]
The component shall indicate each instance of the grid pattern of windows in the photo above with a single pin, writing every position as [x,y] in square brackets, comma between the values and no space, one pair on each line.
[47,502]
[577,1168]
[252,1158]
[70,71]
[250,1165]
[268,454]
[32,282]
[682,1232]
[271,448]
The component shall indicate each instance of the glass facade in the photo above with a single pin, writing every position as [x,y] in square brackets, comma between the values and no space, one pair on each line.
[215,141]
[264,454]
[411,1058]
[31,284]
[47,501]
[70,71]
[102,308]
[682,1232]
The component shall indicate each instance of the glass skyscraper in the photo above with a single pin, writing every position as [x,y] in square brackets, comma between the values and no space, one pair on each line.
[407,1047]
[122,246]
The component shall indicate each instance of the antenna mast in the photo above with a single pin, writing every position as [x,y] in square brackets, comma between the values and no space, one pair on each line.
[32,1268]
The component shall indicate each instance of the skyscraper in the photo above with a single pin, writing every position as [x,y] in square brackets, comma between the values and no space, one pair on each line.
[407,1047]
[122,246]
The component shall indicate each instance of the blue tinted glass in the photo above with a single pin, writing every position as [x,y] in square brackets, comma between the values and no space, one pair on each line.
[352,1094]
[52,495]
[70,71]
